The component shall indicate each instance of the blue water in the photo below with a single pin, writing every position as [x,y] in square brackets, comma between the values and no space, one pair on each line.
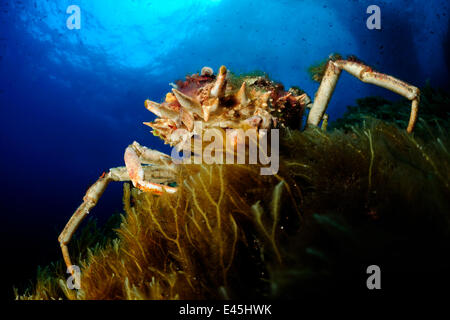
[72,100]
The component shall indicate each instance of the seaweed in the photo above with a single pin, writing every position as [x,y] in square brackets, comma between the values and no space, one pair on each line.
[236,79]
[91,238]
[341,200]
[317,70]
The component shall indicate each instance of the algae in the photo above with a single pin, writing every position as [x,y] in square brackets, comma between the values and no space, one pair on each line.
[317,70]
[342,200]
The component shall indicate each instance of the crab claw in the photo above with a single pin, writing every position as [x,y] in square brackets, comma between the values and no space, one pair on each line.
[162,127]
[161,111]
[136,173]
[189,104]
[218,89]
[241,96]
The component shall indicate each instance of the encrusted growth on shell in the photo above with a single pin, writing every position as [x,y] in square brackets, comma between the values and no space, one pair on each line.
[225,101]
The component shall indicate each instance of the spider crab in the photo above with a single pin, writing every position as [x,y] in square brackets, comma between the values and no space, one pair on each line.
[222,101]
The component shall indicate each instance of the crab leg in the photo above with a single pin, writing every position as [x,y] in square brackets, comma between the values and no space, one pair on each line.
[162,170]
[367,75]
[90,199]
[134,155]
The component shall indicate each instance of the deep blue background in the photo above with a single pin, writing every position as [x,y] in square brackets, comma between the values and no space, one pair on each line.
[72,100]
